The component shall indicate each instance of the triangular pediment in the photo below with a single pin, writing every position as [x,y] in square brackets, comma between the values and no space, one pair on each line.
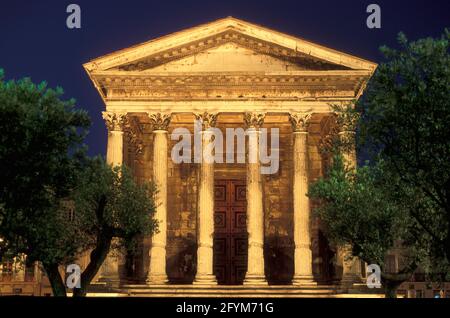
[229,57]
[236,42]
[228,51]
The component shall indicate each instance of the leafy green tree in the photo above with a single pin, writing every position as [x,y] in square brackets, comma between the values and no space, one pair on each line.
[109,204]
[402,195]
[40,144]
[55,203]
[365,210]
[405,116]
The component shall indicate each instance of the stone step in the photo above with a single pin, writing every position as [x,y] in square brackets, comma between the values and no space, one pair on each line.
[228,287]
[226,291]
[209,295]
[237,291]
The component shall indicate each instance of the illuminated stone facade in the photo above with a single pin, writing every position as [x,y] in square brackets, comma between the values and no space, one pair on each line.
[229,73]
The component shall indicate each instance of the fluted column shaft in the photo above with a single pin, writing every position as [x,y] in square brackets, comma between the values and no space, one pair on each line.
[351,269]
[157,271]
[115,122]
[303,271]
[302,236]
[114,153]
[205,220]
[255,213]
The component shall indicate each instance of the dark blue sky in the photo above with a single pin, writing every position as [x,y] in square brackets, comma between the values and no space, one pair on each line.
[35,42]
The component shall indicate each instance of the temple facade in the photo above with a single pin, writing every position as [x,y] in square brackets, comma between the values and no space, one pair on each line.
[226,222]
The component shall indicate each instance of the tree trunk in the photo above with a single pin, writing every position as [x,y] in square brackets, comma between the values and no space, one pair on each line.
[391,281]
[390,289]
[56,281]
[97,257]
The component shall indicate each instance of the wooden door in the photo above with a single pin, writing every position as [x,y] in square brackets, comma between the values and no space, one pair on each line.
[230,232]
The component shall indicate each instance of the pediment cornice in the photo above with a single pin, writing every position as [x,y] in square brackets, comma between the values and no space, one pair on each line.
[151,71]
[230,36]
[197,39]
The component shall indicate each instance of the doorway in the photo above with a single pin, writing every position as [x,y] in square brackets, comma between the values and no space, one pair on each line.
[230,231]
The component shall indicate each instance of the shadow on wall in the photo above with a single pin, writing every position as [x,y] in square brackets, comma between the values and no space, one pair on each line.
[279,259]
[182,260]
[325,265]
[134,265]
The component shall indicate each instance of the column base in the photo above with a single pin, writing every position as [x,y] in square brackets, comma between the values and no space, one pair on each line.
[254,279]
[303,280]
[205,279]
[157,279]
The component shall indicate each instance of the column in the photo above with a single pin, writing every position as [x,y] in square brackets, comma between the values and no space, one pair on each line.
[351,266]
[115,122]
[19,268]
[303,273]
[205,221]
[157,271]
[255,213]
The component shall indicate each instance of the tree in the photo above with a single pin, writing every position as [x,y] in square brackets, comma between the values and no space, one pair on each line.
[365,210]
[405,116]
[402,194]
[39,150]
[110,204]
[55,203]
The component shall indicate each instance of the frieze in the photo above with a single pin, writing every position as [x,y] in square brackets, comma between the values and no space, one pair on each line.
[211,79]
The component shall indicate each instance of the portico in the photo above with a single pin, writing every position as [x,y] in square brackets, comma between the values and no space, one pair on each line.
[218,217]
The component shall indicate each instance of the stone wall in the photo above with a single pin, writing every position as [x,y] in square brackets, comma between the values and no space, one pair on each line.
[278,208]
[182,219]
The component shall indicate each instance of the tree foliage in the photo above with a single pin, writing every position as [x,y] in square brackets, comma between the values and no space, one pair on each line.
[401,196]
[110,204]
[405,116]
[367,211]
[56,203]
[41,137]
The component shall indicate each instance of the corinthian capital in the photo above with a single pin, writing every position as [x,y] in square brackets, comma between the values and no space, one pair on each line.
[159,121]
[300,121]
[115,121]
[254,119]
[208,119]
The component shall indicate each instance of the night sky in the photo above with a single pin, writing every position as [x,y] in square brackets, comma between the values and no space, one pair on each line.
[35,42]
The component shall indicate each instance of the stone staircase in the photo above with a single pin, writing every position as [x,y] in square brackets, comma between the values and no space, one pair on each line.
[227,291]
